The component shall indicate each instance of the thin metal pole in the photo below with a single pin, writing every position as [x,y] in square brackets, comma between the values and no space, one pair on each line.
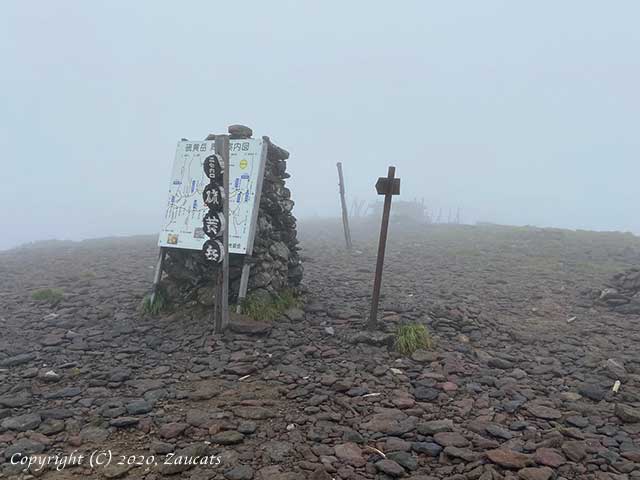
[244,283]
[345,215]
[382,244]
[158,274]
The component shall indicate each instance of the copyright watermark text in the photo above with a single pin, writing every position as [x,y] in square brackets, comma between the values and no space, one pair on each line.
[104,458]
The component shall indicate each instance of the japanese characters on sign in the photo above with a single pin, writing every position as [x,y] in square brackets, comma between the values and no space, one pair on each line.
[191,193]
[213,168]
[213,196]
[213,223]
[213,250]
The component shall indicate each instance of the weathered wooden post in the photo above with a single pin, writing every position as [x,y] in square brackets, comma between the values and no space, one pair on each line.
[221,310]
[345,215]
[388,187]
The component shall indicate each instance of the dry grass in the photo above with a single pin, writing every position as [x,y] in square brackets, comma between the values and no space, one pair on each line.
[269,310]
[412,337]
[52,296]
[158,305]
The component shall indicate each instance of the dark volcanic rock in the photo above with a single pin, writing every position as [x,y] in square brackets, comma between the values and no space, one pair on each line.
[21,423]
[250,327]
[592,392]
[240,472]
[230,437]
[429,448]
[240,131]
[122,422]
[627,414]
[435,426]
[24,447]
[543,412]
[509,459]
[17,400]
[500,363]
[535,473]
[390,422]
[139,407]
[425,394]
[390,467]
[17,360]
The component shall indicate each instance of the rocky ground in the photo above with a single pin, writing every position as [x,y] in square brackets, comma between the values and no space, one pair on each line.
[519,385]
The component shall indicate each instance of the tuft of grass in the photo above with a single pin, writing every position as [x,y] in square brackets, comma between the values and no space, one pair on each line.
[268,310]
[260,310]
[159,303]
[287,299]
[412,337]
[53,296]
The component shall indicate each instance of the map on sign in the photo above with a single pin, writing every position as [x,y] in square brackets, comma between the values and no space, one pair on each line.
[185,209]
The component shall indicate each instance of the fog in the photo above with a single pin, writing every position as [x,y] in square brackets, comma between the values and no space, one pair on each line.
[514,112]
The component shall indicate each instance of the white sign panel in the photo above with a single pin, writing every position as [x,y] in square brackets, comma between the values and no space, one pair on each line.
[185,208]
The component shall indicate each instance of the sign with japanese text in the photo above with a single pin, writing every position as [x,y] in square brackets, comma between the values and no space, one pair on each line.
[194,192]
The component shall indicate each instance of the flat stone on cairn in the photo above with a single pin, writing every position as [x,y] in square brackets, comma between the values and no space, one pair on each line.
[239,131]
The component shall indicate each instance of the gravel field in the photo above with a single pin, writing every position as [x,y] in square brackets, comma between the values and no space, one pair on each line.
[518,386]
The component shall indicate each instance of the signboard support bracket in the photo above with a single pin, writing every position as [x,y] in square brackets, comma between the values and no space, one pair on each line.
[158,274]
[244,283]
[253,226]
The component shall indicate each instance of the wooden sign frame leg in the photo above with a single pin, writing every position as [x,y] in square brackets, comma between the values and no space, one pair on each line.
[158,274]
[244,284]
[246,267]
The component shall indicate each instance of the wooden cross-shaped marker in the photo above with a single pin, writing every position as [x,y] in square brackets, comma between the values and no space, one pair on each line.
[388,187]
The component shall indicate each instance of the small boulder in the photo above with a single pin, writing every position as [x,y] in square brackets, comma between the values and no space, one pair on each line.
[627,414]
[509,459]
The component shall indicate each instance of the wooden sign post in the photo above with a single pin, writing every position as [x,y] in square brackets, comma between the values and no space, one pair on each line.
[198,212]
[221,237]
[345,215]
[388,187]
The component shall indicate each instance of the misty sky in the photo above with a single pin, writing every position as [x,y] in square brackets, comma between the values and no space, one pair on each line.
[515,112]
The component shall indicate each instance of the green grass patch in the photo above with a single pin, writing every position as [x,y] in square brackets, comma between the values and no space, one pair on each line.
[287,299]
[52,296]
[159,303]
[412,337]
[267,310]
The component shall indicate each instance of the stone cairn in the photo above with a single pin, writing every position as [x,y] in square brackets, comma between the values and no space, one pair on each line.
[622,293]
[452,319]
[275,263]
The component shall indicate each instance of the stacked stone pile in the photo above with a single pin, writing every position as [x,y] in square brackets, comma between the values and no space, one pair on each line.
[622,294]
[275,261]
[452,319]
